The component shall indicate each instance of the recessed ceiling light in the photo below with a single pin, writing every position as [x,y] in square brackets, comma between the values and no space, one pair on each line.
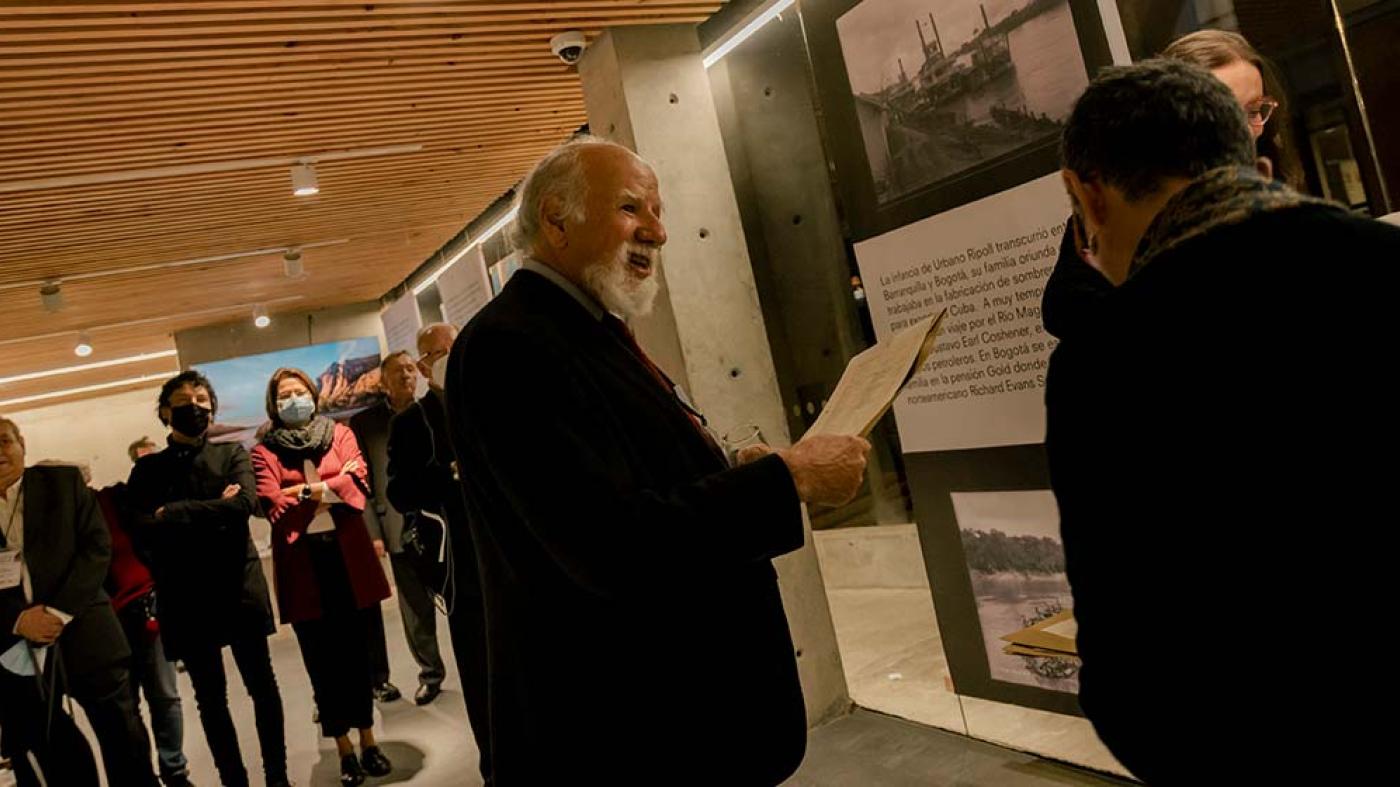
[84,346]
[304,182]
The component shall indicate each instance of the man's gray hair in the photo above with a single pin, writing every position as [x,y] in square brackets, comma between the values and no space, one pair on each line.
[12,426]
[560,175]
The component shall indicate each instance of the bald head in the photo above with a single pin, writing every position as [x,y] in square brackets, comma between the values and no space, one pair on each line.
[434,343]
[591,210]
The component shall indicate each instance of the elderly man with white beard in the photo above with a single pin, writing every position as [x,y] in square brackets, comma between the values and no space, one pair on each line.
[636,634]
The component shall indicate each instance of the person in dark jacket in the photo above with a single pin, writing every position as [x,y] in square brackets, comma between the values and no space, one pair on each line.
[398,377]
[58,633]
[422,484]
[132,588]
[312,483]
[1194,447]
[190,505]
[636,634]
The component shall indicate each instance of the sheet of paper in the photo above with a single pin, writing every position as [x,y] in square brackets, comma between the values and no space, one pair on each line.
[401,323]
[873,379]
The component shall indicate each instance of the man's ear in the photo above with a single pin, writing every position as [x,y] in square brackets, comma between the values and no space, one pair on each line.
[552,223]
[1090,197]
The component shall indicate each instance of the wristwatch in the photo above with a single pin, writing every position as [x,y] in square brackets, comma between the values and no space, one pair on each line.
[305,493]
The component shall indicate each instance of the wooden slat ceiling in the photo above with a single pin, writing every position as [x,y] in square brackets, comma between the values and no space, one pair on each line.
[92,87]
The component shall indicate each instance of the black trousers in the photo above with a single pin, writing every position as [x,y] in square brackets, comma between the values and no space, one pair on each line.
[378,645]
[206,670]
[58,746]
[467,625]
[336,646]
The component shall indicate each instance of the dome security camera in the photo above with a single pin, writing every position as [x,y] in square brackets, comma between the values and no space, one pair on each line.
[568,46]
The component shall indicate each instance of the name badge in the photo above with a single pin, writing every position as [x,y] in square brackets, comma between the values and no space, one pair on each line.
[11,569]
[679,393]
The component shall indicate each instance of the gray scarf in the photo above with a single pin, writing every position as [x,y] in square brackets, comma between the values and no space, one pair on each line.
[305,442]
[1218,198]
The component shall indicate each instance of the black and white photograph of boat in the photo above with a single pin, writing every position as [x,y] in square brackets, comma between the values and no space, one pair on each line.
[942,87]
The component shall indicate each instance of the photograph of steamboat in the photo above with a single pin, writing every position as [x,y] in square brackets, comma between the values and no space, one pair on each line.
[943,87]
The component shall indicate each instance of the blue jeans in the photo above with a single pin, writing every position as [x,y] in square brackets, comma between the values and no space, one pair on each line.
[153,675]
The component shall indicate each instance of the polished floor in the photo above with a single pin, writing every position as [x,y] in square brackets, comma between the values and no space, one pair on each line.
[433,746]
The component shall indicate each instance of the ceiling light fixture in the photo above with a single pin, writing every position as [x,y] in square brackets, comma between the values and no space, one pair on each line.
[480,239]
[83,367]
[51,294]
[125,176]
[44,283]
[260,318]
[304,182]
[164,318]
[291,264]
[88,388]
[756,22]
[84,346]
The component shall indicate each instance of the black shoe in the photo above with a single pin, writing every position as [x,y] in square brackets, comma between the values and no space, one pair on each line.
[375,762]
[426,694]
[176,780]
[387,692]
[351,774]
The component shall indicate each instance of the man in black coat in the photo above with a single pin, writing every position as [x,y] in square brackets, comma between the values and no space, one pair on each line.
[423,484]
[58,633]
[636,632]
[398,378]
[1204,434]
[189,507]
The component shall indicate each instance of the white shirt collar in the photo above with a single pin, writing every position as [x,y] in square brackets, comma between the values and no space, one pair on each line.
[585,300]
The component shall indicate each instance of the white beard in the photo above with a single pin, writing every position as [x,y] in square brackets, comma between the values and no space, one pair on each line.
[621,292]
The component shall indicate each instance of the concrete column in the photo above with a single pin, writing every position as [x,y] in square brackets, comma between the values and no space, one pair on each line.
[646,88]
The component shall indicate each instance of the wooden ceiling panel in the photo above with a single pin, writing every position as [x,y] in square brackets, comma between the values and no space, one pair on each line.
[99,91]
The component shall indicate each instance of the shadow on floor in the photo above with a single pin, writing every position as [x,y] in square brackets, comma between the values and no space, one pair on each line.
[407,759]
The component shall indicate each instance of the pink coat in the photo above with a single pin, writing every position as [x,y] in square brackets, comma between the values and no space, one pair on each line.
[298,595]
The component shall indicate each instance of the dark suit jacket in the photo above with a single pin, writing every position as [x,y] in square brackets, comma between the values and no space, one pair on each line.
[635,628]
[420,479]
[66,547]
[371,428]
[209,580]
[1212,449]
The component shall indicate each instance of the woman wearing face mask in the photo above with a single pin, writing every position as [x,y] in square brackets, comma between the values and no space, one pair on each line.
[189,508]
[311,480]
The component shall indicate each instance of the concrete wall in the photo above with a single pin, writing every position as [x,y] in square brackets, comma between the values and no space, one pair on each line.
[878,556]
[94,432]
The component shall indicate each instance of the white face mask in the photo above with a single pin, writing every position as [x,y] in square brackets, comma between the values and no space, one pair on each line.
[440,372]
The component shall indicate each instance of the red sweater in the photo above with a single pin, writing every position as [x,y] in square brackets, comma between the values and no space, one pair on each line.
[298,595]
[127,577]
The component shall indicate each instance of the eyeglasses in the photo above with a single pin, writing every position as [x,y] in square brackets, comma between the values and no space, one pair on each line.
[1260,111]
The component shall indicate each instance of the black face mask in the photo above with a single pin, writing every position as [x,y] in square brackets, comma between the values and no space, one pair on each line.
[190,420]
